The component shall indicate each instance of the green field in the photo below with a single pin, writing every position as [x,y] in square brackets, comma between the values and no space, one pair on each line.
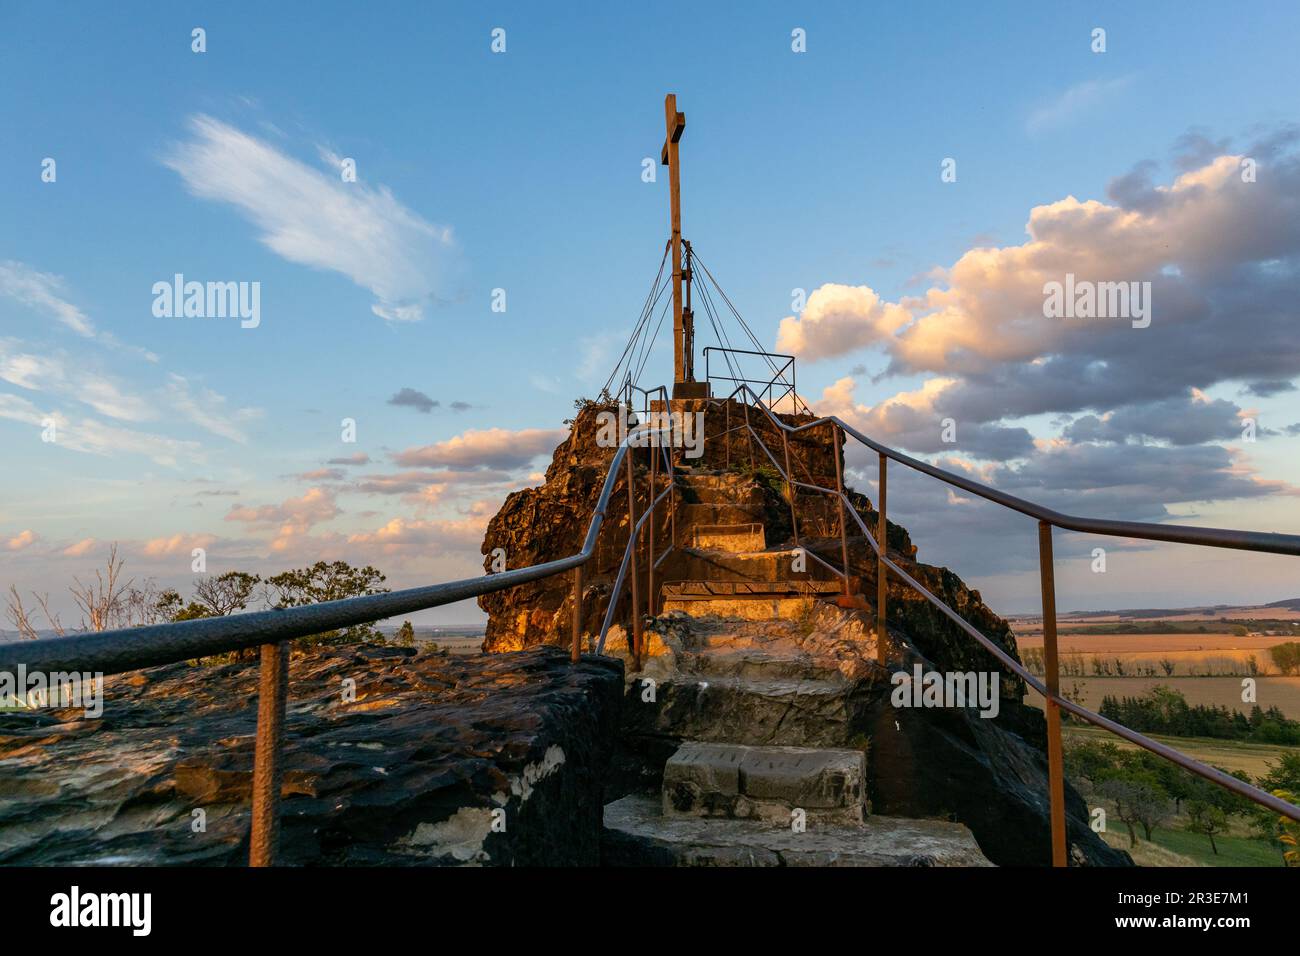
[1229,754]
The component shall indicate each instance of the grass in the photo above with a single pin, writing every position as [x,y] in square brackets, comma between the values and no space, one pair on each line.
[1228,754]
[1233,850]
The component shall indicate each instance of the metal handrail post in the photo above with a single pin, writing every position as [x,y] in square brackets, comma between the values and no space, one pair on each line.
[1055,757]
[577,613]
[882,573]
[836,445]
[789,488]
[635,635]
[650,538]
[268,755]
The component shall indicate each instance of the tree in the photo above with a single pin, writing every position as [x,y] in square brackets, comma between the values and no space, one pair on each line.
[101,601]
[1205,818]
[1286,657]
[1288,832]
[327,582]
[405,635]
[226,593]
[21,618]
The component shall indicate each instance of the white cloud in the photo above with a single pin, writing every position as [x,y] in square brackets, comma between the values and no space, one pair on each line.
[1075,101]
[207,409]
[45,293]
[490,448]
[53,374]
[315,219]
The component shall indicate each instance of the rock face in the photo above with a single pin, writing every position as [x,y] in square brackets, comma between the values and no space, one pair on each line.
[765,671]
[434,754]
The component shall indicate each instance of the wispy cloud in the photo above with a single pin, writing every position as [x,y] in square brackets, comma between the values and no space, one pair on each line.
[55,375]
[46,293]
[207,409]
[317,220]
[1075,101]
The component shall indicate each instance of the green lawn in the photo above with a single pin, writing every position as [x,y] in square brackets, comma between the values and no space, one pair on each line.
[1233,850]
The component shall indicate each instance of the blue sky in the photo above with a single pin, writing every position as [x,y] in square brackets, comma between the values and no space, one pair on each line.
[800,170]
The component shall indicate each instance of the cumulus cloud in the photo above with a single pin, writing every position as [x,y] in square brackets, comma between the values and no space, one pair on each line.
[413,398]
[79,548]
[313,218]
[182,544]
[360,458]
[923,421]
[292,518]
[838,319]
[23,539]
[1223,259]
[484,448]
[401,535]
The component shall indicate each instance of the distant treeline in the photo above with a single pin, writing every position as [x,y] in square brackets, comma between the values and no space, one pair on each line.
[1218,626]
[1164,710]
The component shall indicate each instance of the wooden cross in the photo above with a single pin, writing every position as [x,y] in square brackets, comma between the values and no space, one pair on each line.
[683,321]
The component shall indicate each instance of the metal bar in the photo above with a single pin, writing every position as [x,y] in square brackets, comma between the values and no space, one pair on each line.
[650,538]
[632,529]
[617,589]
[1262,541]
[1211,774]
[839,491]
[726,432]
[882,574]
[1055,758]
[577,613]
[272,692]
[789,490]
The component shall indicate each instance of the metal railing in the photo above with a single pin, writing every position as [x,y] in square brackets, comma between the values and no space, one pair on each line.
[128,649]
[1047,519]
[112,652]
[777,385]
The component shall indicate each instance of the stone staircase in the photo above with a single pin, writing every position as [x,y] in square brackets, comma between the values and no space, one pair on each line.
[726,566]
[761,686]
[768,769]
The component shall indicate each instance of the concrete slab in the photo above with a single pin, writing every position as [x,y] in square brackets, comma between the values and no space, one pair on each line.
[764,783]
[638,834]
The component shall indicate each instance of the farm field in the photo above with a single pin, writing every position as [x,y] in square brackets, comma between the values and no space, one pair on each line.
[1280,692]
[1228,754]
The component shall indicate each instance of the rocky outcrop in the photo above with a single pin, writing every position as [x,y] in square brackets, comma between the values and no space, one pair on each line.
[950,763]
[424,760]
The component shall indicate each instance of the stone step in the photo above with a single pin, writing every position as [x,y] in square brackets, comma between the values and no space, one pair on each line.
[638,834]
[724,489]
[734,538]
[776,564]
[689,515]
[745,600]
[744,609]
[764,783]
[788,712]
[756,665]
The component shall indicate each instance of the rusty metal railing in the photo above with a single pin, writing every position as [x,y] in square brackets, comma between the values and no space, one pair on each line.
[1047,519]
[128,649]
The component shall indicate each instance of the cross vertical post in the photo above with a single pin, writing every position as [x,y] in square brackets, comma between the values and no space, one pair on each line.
[674,124]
